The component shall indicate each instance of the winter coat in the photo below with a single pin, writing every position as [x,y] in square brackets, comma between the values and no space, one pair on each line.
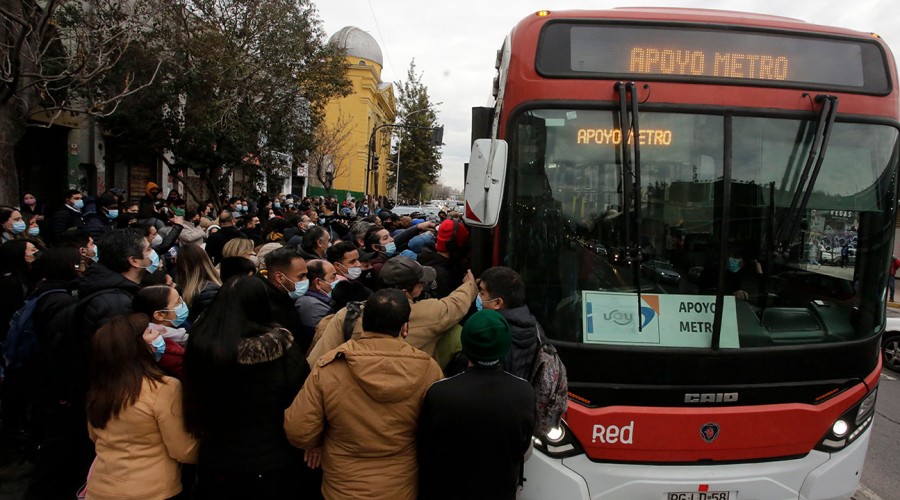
[249,438]
[191,234]
[523,327]
[488,403]
[63,219]
[449,272]
[202,300]
[97,310]
[57,342]
[285,314]
[368,394]
[138,451]
[172,360]
[311,308]
[216,242]
[428,320]
[96,223]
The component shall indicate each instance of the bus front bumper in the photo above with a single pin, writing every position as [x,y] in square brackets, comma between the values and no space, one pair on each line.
[817,476]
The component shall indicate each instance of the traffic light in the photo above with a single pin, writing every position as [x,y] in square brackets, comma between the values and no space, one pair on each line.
[438,135]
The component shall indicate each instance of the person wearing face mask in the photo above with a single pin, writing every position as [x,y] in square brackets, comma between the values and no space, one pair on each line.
[68,216]
[286,277]
[345,257]
[12,224]
[317,302]
[430,318]
[217,240]
[100,216]
[136,423]
[168,314]
[740,268]
[378,240]
[191,233]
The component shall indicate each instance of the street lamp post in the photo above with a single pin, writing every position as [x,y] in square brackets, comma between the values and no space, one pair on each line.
[371,148]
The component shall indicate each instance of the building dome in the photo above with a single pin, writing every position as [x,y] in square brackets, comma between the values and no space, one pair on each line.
[358,44]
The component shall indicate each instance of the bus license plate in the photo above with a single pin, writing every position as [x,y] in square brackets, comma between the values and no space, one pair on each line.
[702,495]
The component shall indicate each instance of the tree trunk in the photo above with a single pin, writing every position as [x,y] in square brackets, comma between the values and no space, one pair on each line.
[11,131]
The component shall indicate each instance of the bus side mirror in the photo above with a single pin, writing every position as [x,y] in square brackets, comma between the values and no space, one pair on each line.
[484,182]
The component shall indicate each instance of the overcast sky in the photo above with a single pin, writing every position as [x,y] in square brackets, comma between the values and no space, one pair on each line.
[454,43]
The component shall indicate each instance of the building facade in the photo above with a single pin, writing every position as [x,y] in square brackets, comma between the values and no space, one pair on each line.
[353,119]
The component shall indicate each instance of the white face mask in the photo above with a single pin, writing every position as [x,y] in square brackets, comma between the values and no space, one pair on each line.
[156,241]
[354,272]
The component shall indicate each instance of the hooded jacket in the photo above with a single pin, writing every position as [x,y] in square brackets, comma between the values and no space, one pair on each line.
[95,307]
[429,319]
[524,330]
[368,394]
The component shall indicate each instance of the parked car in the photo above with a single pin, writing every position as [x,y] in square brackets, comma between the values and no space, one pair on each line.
[661,271]
[890,345]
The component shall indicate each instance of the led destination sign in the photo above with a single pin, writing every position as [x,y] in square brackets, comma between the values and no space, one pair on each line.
[613,136]
[582,50]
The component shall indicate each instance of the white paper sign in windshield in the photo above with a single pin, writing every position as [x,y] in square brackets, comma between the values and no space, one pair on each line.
[659,320]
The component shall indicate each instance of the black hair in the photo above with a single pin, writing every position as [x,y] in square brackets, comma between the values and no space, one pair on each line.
[240,310]
[58,264]
[72,192]
[156,278]
[118,245]
[386,311]
[231,267]
[6,213]
[336,252]
[12,259]
[150,299]
[371,238]
[346,291]
[315,270]
[74,237]
[310,238]
[280,259]
[503,282]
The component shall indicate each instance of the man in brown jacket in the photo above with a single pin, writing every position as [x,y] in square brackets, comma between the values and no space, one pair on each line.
[429,319]
[361,404]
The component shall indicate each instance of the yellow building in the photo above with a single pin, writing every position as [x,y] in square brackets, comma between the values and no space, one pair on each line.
[352,119]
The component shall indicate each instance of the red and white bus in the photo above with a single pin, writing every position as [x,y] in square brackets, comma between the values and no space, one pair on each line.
[701,205]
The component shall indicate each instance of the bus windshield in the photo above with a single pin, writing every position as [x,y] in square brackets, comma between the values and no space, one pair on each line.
[566,230]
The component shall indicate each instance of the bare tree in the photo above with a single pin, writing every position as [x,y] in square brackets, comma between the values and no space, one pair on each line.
[328,158]
[56,56]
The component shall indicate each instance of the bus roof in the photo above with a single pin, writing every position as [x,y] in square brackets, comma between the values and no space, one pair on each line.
[721,17]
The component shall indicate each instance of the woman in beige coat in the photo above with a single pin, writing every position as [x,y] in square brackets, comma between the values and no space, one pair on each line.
[134,416]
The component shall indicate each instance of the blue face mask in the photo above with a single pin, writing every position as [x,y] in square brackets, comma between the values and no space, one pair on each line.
[479,304]
[79,204]
[159,346]
[331,287]
[19,227]
[300,288]
[390,249]
[96,257]
[277,205]
[181,314]
[236,215]
[112,214]
[34,231]
[734,265]
[154,262]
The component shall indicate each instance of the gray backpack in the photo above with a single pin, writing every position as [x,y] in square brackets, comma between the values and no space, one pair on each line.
[551,388]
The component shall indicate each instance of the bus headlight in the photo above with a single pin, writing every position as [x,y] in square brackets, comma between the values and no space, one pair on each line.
[558,442]
[840,428]
[866,407]
[849,426]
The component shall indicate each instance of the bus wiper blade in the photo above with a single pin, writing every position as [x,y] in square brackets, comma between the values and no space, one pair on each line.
[788,225]
[631,181]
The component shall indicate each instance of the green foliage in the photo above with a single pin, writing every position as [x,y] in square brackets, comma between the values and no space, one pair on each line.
[420,158]
[243,85]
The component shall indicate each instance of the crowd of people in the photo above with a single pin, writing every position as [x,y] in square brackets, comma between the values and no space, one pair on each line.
[268,348]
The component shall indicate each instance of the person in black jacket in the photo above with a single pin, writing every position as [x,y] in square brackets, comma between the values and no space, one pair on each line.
[216,241]
[99,216]
[503,290]
[68,216]
[242,370]
[286,280]
[65,452]
[484,401]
